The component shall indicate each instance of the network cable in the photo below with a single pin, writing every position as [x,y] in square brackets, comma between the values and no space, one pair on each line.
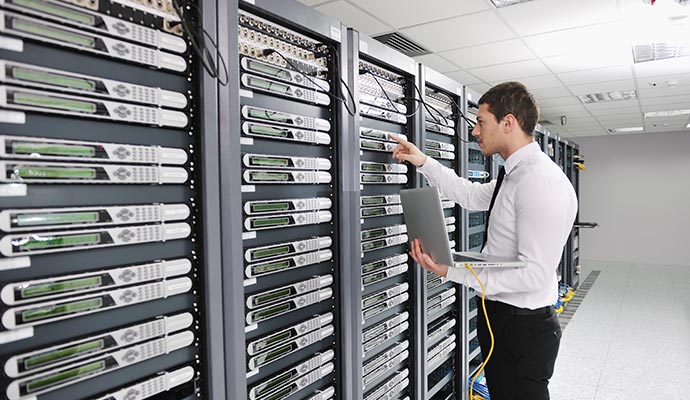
[491,334]
[198,41]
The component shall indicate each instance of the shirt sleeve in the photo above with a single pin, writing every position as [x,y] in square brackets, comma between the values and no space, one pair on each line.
[543,218]
[472,196]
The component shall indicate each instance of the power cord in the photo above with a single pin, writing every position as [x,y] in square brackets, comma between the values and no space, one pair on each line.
[491,334]
[198,40]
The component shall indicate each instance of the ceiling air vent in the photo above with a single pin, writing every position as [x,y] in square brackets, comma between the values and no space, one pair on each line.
[659,51]
[402,44]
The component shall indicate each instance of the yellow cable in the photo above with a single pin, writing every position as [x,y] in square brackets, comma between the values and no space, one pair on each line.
[491,334]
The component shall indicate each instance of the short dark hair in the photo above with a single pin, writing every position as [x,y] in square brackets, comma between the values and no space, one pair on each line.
[513,98]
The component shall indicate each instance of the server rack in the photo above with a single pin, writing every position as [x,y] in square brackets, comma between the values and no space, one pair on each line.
[572,246]
[289,132]
[443,301]
[478,168]
[390,323]
[107,251]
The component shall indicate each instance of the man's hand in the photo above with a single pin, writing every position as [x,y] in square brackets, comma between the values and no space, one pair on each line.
[406,151]
[425,260]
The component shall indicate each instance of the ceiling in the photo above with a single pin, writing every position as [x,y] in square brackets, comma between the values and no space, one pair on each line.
[558,48]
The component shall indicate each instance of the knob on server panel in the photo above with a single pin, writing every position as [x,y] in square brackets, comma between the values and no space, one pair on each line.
[100,264]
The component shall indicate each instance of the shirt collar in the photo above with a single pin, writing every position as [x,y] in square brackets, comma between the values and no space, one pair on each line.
[522,153]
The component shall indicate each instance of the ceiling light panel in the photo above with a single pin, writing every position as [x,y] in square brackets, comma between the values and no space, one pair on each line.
[607,96]
[667,113]
[659,51]
[626,130]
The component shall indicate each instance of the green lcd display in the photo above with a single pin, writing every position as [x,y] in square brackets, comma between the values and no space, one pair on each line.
[60,309]
[271,296]
[373,233]
[53,79]
[433,145]
[271,267]
[60,287]
[374,167]
[281,394]
[269,312]
[64,376]
[55,218]
[56,10]
[275,354]
[373,266]
[372,300]
[270,252]
[274,383]
[373,178]
[372,278]
[268,85]
[368,201]
[52,33]
[267,222]
[268,70]
[270,115]
[272,340]
[373,145]
[432,153]
[369,212]
[62,354]
[269,207]
[36,242]
[267,131]
[269,162]
[269,176]
[29,172]
[50,149]
[40,100]
[374,310]
[373,134]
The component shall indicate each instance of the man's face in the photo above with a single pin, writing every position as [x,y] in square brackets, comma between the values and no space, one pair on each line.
[487,131]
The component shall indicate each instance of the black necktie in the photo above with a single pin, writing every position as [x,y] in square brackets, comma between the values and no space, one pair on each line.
[501,175]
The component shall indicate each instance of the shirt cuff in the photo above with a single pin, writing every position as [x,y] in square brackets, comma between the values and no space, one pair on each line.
[456,275]
[428,166]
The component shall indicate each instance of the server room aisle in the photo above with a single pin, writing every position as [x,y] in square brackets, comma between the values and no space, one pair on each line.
[630,338]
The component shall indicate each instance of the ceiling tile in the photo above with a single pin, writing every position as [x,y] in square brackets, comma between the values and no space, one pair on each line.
[560,101]
[547,93]
[682,101]
[601,87]
[649,92]
[511,71]
[574,41]
[354,17]
[437,63]
[660,81]
[663,67]
[459,32]
[596,75]
[615,107]
[579,62]
[464,77]
[489,54]
[563,109]
[402,13]
[590,133]
[481,88]
[550,15]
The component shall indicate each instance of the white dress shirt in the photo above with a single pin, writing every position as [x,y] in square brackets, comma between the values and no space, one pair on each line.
[530,221]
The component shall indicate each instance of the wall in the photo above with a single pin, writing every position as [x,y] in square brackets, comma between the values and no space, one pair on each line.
[637,187]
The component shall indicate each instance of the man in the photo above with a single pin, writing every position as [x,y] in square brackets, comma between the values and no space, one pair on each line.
[531,207]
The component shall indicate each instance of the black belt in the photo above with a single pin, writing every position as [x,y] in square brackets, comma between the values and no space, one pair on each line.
[503,308]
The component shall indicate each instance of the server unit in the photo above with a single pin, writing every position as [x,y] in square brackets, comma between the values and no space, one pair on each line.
[102,270]
[289,81]
[443,307]
[387,93]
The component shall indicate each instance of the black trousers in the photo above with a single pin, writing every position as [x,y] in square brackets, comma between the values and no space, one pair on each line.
[524,353]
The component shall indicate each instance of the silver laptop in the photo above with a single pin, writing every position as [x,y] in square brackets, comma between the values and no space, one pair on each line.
[425,220]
